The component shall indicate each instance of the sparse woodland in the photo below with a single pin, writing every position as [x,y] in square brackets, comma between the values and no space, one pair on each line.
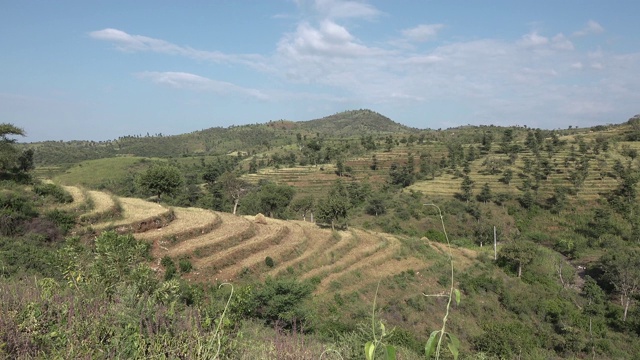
[311,240]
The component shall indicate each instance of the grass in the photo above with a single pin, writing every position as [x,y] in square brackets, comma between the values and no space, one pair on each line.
[94,173]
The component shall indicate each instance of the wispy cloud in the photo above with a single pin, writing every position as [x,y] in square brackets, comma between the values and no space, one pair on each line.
[183,80]
[592,27]
[422,33]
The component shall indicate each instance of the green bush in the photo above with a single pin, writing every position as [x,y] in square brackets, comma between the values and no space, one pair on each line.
[269,261]
[54,191]
[64,220]
[185,265]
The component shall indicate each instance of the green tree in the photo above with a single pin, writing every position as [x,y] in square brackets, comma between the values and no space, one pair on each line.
[161,179]
[507,176]
[304,205]
[621,269]
[376,205]
[234,187]
[485,194]
[13,162]
[518,254]
[334,209]
[467,189]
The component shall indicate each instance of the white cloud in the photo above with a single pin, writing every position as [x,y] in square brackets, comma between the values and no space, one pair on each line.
[183,80]
[422,33]
[560,42]
[533,39]
[592,27]
[330,39]
[577,65]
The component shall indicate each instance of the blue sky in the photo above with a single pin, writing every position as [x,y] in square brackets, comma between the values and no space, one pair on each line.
[97,70]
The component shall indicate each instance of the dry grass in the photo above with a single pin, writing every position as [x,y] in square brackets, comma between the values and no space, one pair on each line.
[313,244]
[78,197]
[380,256]
[188,223]
[232,228]
[137,214]
[103,202]
[361,278]
[270,240]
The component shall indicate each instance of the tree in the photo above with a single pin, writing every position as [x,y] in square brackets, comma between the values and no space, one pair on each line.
[303,206]
[13,161]
[485,194]
[274,199]
[507,175]
[518,254]
[467,189]
[376,205]
[334,208]
[621,268]
[234,187]
[160,179]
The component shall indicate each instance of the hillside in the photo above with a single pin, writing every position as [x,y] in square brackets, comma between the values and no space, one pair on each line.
[563,205]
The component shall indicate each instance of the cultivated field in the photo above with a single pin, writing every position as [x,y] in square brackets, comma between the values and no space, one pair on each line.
[225,247]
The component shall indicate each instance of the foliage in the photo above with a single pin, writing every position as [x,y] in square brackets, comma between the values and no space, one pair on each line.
[161,179]
[54,191]
[282,300]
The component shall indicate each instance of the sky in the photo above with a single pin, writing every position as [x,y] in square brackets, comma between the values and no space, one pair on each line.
[100,69]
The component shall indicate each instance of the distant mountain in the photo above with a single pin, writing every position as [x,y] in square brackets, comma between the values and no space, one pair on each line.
[217,140]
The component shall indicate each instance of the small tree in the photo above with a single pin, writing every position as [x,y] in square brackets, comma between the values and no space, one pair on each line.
[485,194]
[467,189]
[303,206]
[518,254]
[161,179]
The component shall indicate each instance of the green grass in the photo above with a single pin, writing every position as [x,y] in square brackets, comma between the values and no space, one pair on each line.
[93,173]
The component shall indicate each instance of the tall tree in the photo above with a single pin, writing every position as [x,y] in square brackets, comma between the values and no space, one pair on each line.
[234,187]
[12,160]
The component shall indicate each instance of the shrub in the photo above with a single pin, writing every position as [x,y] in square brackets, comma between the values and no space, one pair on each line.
[64,220]
[54,191]
[185,265]
[269,262]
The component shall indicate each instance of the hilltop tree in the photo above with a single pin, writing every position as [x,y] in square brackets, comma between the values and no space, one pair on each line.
[161,179]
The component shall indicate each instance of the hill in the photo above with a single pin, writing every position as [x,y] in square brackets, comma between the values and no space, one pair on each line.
[354,123]
[218,141]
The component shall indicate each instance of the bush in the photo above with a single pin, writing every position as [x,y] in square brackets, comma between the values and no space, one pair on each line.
[64,220]
[269,262]
[185,265]
[54,191]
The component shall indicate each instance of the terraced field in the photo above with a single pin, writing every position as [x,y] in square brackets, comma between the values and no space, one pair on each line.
[224,247]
